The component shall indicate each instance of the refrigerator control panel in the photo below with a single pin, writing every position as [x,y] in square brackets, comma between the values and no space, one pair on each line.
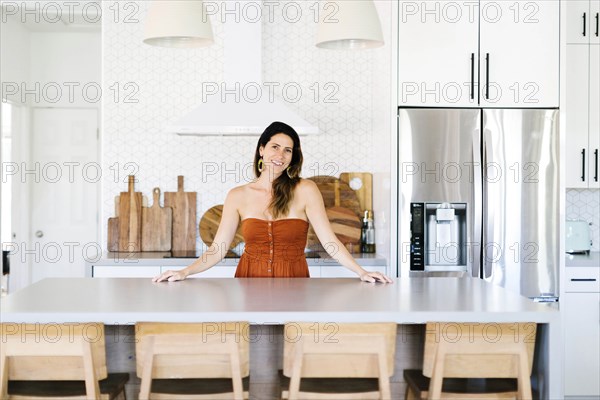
[417,229]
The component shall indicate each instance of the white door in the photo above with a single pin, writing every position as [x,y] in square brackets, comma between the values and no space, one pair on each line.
[64,191]
[579,21]
[519,53]
[437,54]
[577,154]
[594,111]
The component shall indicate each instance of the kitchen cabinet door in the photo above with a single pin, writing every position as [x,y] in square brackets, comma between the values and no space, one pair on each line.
[581,318]
[343,272]
[578,21]
[519,53]
[139,271]
[595,21]
[577,154]
[437,54]
[594,117]
[214,272]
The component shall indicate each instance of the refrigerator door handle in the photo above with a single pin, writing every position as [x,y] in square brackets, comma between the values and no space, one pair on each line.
[486,272]
[474,248]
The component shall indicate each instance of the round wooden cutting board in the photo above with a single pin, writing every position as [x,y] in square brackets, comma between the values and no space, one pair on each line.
[209,224]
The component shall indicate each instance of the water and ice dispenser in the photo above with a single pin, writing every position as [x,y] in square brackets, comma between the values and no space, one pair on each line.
[438,237]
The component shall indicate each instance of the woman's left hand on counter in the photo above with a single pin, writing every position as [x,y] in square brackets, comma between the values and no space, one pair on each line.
[375,277]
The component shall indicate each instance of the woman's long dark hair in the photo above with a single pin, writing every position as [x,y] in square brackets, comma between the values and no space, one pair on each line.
[283,186]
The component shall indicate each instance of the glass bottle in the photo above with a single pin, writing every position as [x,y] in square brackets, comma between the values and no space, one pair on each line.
[368,233]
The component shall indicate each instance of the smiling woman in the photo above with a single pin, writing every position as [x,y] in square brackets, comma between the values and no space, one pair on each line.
[275,210]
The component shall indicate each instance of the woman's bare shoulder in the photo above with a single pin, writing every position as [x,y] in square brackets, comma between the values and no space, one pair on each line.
[238,192]
[307,187]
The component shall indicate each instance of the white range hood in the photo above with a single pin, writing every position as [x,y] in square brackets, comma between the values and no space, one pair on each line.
[223,114]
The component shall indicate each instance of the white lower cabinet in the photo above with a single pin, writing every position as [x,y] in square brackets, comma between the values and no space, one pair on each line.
[343,272]
[146,271]
[118,271]
[581,319]
[214,272]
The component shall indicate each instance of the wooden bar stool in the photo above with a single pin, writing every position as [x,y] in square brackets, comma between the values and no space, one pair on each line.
[474,361]
[338,361]
[56,361]
[193,360]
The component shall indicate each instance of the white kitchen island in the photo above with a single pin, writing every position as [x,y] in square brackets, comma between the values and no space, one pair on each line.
[120,302]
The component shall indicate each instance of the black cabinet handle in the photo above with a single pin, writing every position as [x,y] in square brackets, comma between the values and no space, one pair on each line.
[596,165]
[583,165]
[583,280]
[584,24]
[596,24]
[472,76]
[487,76]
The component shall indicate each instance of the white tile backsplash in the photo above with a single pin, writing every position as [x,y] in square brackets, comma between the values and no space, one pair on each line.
[584,204]
[148,87]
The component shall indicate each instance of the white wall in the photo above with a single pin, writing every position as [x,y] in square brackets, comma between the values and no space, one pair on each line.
[166,83]
[585,204]
[15,56]
[67,67]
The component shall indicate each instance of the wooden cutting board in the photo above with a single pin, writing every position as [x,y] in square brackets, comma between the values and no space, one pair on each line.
[157,223]
[209,224]
[113,234]
[130,219]
[184,217]
[345,222]
[362,184]
[347,196]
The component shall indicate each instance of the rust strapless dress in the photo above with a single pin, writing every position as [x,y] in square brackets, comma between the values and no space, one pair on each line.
[273,248]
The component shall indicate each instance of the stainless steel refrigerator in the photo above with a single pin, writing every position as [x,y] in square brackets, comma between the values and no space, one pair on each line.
[478,196]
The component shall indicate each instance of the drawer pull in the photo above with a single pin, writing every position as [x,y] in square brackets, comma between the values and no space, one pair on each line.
[583,279]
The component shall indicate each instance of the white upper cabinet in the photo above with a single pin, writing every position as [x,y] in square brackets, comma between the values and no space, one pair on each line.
[478,54]
[519,53]
[577,62]
[583,21]
[594,118]
[438,54]
[582,112]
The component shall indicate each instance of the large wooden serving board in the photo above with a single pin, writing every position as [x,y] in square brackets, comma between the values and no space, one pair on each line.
[362,184]
[157,224]
[343,210]
[347,196]
[184,217]
[130,219]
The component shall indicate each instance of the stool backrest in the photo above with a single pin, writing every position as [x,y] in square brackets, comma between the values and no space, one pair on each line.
[192,350]
[52,352]
[331,350]
[478,350]
[46,338]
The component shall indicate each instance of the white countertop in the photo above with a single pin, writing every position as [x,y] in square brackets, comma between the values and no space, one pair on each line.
[269,301]
[592,259]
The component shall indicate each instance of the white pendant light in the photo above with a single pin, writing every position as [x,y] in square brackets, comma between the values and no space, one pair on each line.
[181,24]
[349,25]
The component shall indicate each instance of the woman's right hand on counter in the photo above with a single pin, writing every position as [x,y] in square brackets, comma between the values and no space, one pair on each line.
[170,276]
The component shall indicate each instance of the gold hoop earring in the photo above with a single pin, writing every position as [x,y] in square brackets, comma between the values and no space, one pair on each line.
[287,170]
[260,164]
